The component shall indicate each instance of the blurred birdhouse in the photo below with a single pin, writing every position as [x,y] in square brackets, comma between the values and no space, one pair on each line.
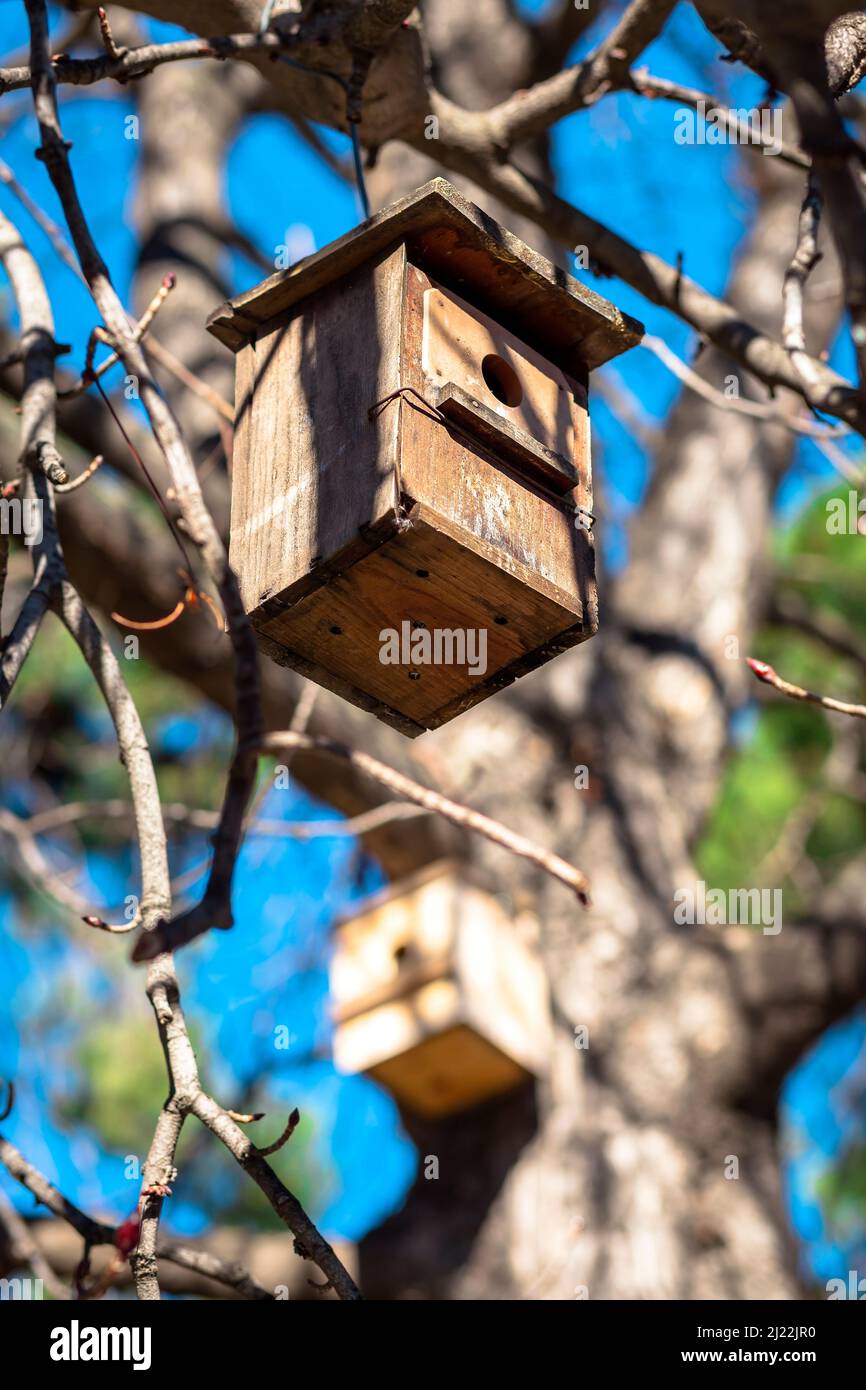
[436,996]
[411,484]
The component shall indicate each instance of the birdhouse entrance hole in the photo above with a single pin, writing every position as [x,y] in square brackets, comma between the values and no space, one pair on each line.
[502,380]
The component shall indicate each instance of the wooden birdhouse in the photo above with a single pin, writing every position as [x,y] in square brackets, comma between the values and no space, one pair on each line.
[411,484]
[436,996]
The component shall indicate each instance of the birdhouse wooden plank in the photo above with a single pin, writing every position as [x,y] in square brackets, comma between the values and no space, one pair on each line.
[411,478]
[436,996]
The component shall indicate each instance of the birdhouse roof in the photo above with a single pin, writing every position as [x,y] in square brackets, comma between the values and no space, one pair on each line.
[467,251]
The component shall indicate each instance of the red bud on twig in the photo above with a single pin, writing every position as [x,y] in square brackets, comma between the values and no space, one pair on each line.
[761,669]
[126,1235]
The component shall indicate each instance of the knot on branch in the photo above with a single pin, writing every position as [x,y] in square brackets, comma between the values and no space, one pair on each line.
[52,155]
[184,1100]
[49,462]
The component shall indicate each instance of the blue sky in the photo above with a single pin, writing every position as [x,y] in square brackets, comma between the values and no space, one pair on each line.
[617,163]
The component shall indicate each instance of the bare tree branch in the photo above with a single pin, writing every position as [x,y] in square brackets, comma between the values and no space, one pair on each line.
[39,351]
[473,143]
[24,1249]
[769,676]
[197,819]
[758,410]
[155,904]
[170,936]
[529,113]
[95,1233]
[138,62]
[308,1242]
[216,903]
[806,257]
[751,135]
[824,626]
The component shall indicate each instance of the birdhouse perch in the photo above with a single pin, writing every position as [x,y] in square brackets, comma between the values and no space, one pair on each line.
[411,482]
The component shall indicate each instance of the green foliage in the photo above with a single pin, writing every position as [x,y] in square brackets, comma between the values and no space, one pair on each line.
[121,1082]
[780,818]
[85,758]
[842,1191]
[120,1087]
[828,570]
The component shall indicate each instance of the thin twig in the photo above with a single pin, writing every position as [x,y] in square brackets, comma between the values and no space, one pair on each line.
[756,410]
[766,673]
[216,903]
[189,379]
[42,220]
[94,1233]
[309,1243]
[228,1272]
[462,816]
[170,936]
[806,257]
[38,872]
[25,1251]
[47,1195]
[177,813]
[91,373]
[111,47]
[750,135]
[291,1126]
[74,483]
[138,62]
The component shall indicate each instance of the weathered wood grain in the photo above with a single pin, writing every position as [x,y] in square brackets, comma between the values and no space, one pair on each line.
[312,469]
[426,575]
